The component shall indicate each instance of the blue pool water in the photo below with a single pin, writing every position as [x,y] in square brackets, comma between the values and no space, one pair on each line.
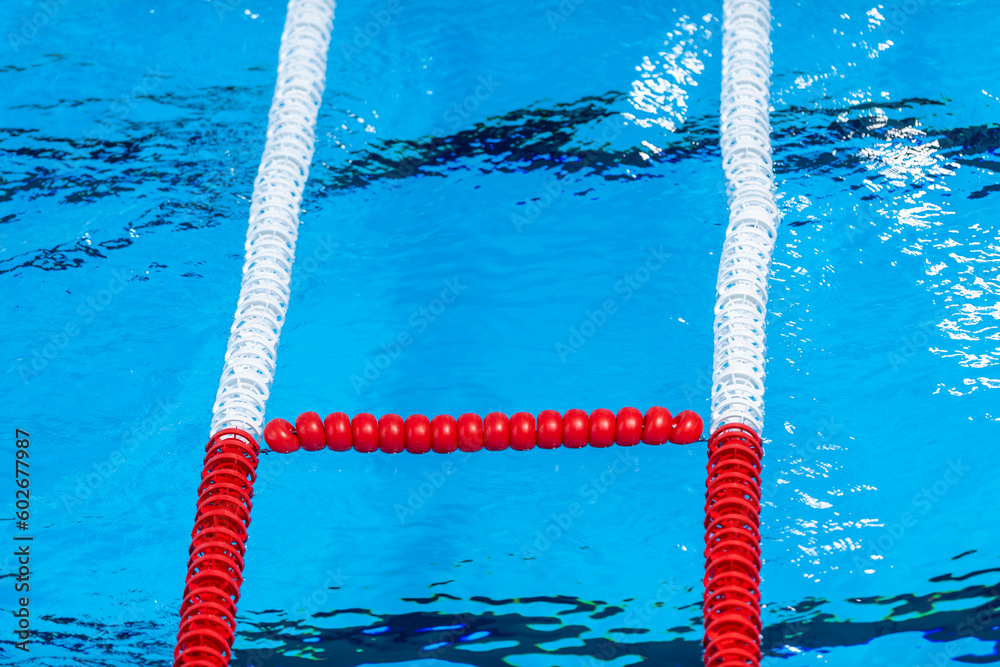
[530,157]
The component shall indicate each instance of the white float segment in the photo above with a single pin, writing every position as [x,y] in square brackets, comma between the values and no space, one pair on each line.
[741,305]
[274,218]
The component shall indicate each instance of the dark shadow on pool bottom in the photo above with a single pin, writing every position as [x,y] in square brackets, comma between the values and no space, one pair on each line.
[489,638]
[426,636]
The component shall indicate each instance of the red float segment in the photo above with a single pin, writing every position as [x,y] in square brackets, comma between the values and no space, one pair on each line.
[522,431]
[628,427]
[497,429]
[390,434]
[338,432]
[419,435]
[602,428]
[444,434]
[549,429]
[657,426]
[470,433]
[280,436]
[732,546]
[310,432]
[364,428]
[576,428]
[687,428]
[218,544]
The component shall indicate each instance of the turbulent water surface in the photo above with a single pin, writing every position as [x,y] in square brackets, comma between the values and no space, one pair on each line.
[531,161]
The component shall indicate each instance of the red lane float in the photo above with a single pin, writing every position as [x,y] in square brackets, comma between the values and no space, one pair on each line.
[732,548]
[497,428]
[218,545]
[470,433]
[628,427]
[309,429]
[390,434]
[602,428]
[549,429]
[338,432]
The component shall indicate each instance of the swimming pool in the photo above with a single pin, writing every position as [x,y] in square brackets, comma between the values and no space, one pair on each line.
[526,159]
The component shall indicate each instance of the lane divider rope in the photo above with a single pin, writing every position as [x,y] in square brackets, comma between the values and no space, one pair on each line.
[732,579]
[444,434]
[274,218]
[218,545]
[741,305]
[731,608]
[218,542]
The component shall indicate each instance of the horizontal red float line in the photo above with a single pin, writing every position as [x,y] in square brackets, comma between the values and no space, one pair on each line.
[470,433]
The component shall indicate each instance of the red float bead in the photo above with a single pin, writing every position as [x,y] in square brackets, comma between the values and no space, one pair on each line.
[309,429]
[628,427]
[444,434]
[576,428]
[687,428]
[497,429]
[418,434]
[280,436]
[364,428]
[522,431]
[549,429]
[338,432]
[657,426]
[470,432]
[602,428]
[390,434]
